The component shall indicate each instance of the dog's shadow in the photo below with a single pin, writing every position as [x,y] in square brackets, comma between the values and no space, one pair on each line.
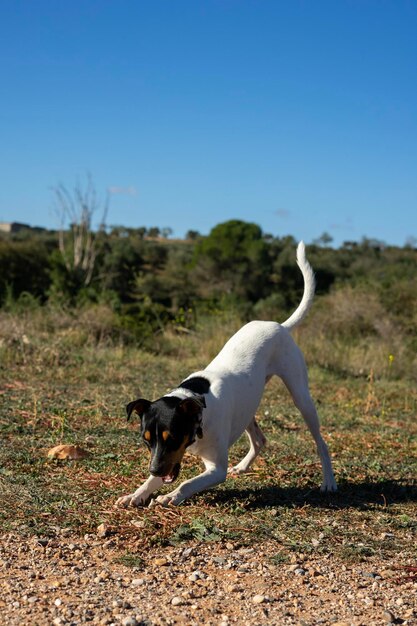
[361,495]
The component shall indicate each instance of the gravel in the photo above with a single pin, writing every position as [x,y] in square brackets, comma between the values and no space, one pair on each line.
[68,580]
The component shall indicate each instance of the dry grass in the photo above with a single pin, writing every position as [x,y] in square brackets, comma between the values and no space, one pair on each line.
[61,381]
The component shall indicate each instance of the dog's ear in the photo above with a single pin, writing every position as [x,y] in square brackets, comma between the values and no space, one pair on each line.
[139,406]
[192,406]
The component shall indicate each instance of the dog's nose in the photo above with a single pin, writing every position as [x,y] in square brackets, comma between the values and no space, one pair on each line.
[158,469]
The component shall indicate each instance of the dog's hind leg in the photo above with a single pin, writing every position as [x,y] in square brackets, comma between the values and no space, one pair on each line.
[295,378]
[296,381]
[257,441]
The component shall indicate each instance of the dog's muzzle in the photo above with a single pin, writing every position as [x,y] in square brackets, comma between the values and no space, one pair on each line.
[167,476]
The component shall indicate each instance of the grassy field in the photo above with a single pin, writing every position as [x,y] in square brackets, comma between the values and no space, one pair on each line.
[60,385]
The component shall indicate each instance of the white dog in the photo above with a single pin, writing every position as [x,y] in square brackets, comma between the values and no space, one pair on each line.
[209,410]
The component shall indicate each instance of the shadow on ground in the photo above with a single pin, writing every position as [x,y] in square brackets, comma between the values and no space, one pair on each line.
[349,495]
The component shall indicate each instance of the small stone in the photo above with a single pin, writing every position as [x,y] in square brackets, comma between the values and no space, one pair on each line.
[177,601]
[130,621]
[293,567]
[137,582]
[161,561]
[219,560]
[103,530]
[188,552]
[258,599]
[58,602]
[300,571]
[399,601]
[388,617]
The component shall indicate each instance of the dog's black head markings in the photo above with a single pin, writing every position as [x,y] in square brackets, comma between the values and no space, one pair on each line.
[168,426]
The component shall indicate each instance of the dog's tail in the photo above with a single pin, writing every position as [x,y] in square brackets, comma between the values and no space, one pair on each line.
[309,288]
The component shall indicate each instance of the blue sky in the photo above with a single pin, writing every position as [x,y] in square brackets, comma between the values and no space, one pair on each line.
[300,115]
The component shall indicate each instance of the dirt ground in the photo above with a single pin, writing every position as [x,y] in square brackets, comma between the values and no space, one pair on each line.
[73,580]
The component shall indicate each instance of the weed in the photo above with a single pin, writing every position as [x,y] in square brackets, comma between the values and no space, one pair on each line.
[198,529]
[130,560]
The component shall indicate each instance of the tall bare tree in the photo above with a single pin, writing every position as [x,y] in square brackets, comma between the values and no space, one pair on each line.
[77,242]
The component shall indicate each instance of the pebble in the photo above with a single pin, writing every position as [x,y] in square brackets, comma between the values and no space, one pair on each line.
[258,599]
[161,561]
[103,530]
[137,582]
[388,617]
[177,601]
[130,621]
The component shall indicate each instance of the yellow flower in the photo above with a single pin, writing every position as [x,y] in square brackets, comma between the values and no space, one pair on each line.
[390,358]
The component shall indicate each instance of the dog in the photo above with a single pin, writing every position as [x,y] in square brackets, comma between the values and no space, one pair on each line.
[211,409]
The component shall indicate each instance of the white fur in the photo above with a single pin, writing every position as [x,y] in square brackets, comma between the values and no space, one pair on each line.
[237,376]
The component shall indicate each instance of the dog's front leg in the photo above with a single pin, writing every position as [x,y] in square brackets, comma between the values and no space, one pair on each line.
[214,474]
[141,495]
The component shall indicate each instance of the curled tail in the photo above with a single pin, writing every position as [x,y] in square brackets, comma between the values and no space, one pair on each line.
[309,288]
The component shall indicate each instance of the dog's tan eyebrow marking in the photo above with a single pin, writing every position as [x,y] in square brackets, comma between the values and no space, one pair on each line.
[147,435]
[165,435]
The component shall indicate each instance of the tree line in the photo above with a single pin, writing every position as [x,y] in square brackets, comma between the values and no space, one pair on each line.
[150,281]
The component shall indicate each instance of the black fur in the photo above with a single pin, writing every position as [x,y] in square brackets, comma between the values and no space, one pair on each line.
[197,384]
[181,419]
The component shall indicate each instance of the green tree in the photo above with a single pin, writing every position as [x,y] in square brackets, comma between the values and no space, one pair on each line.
[234,259]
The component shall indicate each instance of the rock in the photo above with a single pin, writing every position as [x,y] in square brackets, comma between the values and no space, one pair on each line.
[177,601]
[258,599]
[161,561]
[130,621]
[137,582]
[103,530]
[300,571]
[293,567]
[388,617]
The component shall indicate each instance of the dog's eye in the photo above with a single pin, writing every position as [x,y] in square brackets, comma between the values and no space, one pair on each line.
[147,438]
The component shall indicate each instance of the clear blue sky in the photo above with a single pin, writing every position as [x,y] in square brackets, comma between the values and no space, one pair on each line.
[298,115]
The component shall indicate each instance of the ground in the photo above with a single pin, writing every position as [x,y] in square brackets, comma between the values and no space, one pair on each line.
[264,548]
[76,580]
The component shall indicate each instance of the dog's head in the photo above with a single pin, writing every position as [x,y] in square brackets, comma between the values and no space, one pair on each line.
[168,426]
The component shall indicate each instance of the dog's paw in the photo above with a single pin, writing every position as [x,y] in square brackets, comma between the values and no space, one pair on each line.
[130,500]
[328,486]
[160,501]
[169,499]
[124,501]
[237,470]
